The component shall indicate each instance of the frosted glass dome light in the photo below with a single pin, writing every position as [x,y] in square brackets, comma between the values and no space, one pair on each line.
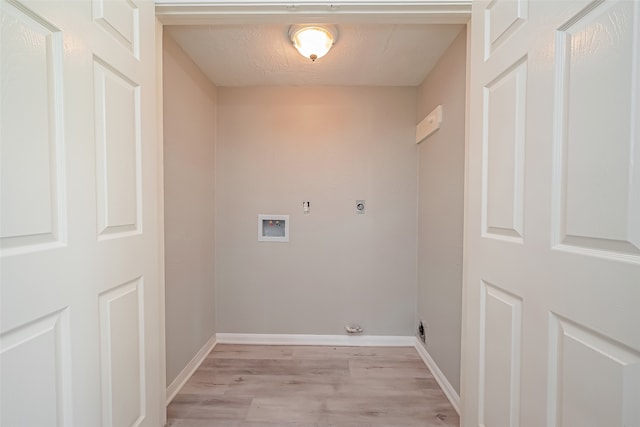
[313,41]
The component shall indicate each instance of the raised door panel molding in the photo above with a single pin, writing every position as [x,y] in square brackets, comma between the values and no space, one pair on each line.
[597,182]
[118,149]
[612,371]
[500,356]
[37,357]
[120,18]
[502,18]
[122,355]
[503,154]
[32,196]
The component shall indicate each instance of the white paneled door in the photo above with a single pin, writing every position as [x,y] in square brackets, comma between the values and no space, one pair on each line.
[552,282]
[79,228]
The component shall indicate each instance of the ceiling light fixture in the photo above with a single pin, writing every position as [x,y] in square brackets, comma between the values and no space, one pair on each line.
[313,41]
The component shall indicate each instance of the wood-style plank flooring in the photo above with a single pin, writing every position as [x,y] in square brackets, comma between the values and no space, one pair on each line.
[305,386]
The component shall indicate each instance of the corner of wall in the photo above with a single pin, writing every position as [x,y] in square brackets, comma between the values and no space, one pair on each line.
[189,107]
[448,390]
[441,175]
[190,368]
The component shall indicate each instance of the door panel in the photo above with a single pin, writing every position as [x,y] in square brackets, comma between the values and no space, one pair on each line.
[43,345]
[552,269]
[598,208]
[117,121]
[500,353]
[33,203]
[503,154]
[122,333]
[503,17]
[577,353]
[79,255]
[121,19]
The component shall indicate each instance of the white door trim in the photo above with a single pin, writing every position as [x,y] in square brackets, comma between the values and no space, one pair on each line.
[463,332]
[203,12]
[177,12]
[162,348]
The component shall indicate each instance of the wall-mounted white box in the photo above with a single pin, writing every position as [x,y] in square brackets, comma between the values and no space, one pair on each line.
[273,228]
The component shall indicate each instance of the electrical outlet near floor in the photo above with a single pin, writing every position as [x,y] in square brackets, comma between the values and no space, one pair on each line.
[421,332]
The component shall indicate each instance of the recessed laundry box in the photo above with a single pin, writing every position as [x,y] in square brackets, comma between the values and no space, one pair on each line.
[273,228]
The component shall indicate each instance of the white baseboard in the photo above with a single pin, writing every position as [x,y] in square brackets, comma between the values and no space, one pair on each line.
[336,340]
[442,381]
[188,370]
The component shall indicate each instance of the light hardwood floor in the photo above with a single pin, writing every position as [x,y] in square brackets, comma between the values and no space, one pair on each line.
[305,386]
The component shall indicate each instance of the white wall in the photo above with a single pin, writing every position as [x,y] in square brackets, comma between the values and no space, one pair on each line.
[278,147]
[189,167]
[441,210]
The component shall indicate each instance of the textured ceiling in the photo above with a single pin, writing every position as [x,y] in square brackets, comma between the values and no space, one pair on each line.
[363,55]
